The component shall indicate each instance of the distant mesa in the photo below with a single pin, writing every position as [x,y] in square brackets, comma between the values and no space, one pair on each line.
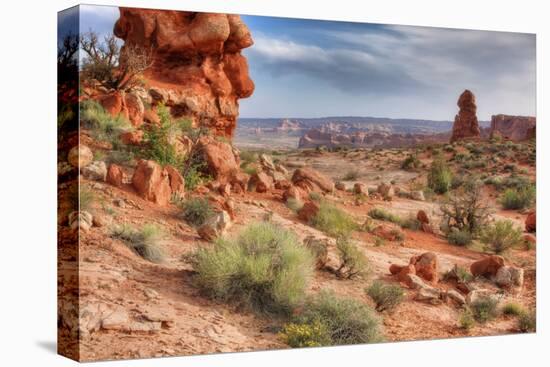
[198,69]
[515,128]
[466,125]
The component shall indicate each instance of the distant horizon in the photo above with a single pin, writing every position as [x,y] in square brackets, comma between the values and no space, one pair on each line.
[319,68]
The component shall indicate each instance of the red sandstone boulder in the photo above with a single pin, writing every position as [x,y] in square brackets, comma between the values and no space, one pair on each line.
[151,182]
[422,217]
[177,183]
[132,137]
[466,125]
[260,182]
[308,211]
[114,104]
[388,233]
[487,266]
[135,108]
[283,184]
[293,192]
[360,189]
[115,175]
[402,272]
[311,180]
[531,222]
[427,266]
[222,163]
[239,182]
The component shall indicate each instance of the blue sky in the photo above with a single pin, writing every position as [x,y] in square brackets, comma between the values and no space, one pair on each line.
[311,68]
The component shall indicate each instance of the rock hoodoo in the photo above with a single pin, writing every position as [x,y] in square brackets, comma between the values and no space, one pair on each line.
[198,69]
[466,125]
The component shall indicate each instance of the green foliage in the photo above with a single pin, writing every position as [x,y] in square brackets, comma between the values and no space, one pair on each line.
[527,322]
[195,211]
[143,241]
[333,221]
[410,163]
[501,236]
[346,320]
[294,204]
[518,198]
[159,140]
[315,196]
[353,261]
[513,309]
[411,223]
[265,268]
[459,238]
[386,296]
[484,309]
[305,335]
[381,214]
[440,176]
[103,126]
[351,175]
[466,319]
[193,176]
[81,197]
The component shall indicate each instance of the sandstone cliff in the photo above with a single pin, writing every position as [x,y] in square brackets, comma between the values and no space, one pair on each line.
[514,128]
[198,69]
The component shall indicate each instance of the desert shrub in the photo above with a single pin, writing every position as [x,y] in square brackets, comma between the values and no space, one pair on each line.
[265,268]
[518,198]
[381,214]
[333,221]
[410,163]
[353,261]
[527,322]
[193,176]
[143,241]
[195,211]
[315,196]
[386,296]
[347,321]
[484,309]
[513,309]
[103,126]
[459,238]
[459,273]
[351,175]
[411,223]
[305,335]
[466,319]
[81,197]
[379,241]
[501,236]
[294,204]
[440,176]
[159,140]
[467,210]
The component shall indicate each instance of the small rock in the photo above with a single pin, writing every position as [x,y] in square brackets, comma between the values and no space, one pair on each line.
[508,276]
[215,226]
[429,294]
[80,156]
[455,297]
[418,195]
[96,171]
[360,189]
[422,217]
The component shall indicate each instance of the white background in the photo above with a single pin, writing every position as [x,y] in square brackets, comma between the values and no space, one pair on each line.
[28,179]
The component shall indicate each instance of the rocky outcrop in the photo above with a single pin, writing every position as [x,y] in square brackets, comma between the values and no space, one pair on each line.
[155,183]
[197,69]
[466,125]
[311,180]
[515,128]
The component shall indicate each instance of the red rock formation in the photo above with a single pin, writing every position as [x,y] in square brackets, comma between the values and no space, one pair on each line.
[487,266]
[310,180]
[466,125]
[155,183]
[115,175]
[308,211]
[222,161]
[514,128]
[198,70]
[427,266]
[531,222]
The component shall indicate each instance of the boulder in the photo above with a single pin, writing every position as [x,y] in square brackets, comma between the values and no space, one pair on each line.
[80,220]
[260,182]
[222,163]
[135,108]
[311,180]
[177,182]
[386,190]
[430,295]
[360,189]
[414,281]
[455,297]
[531,222]
[294,192]
[466,125]
[479,294]
[509,277]
[418,195]
[308,211]
[80,156]
[340,186]
[96,171]
[427,266]
[215,226]
[239,182]
[132,137]
[388,233]
[283,184]
[115,175]
[488,266]
[280,168]
[266,162]
[403,272]
[151,182]
[113,104]
[422,217]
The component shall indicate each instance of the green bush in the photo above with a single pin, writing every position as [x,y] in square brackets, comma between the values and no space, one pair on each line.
[265,268]
[411,223]
[484,309]
[195,211]
[351,175]
[518,198]
[466,319]
[353,261]
[381,214]
[347,321]
[294,204]
[513,309]
[315,196]
[501,236]
[103,126]
[459,238]
[410,163]
[440,176]
[333,221]
[159,140]
[527,322]
[143,241]
[305,335]
[386,296]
